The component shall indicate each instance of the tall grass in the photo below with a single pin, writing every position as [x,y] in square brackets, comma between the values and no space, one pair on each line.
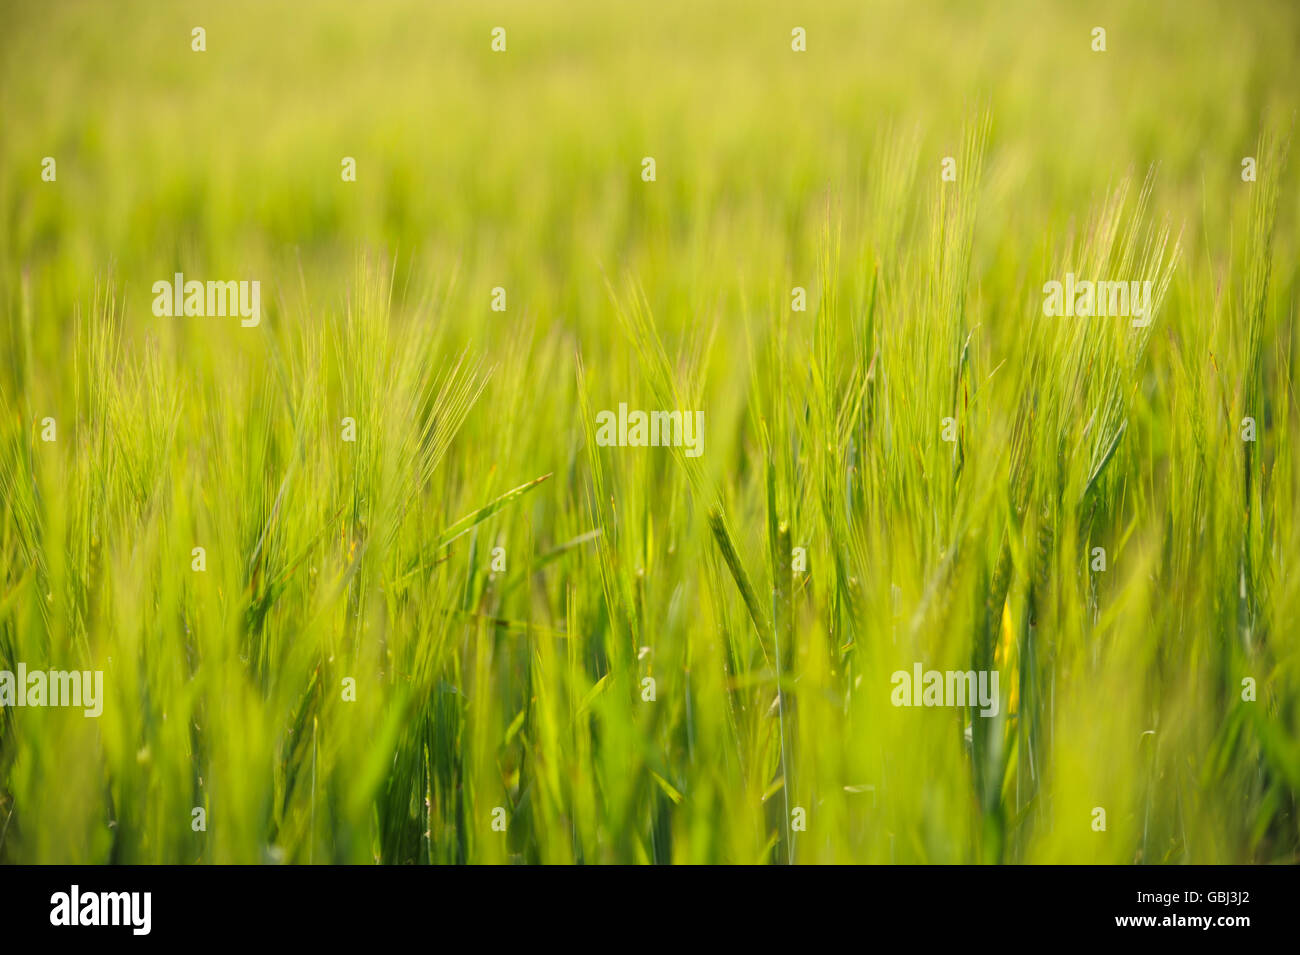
[355,678]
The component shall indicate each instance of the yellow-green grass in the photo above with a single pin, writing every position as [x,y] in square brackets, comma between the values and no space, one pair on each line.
[523,689]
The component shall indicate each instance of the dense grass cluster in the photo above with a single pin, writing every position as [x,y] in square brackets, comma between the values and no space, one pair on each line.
[523,688]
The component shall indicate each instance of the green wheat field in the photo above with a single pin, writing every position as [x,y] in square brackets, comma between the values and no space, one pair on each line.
[434,620]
